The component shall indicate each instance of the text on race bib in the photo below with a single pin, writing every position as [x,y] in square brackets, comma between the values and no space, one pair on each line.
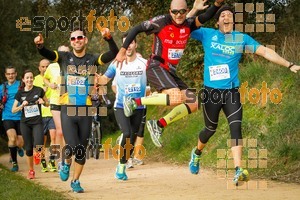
[175,54]
[76,80]
[132,88]
[219,72]
[31,111]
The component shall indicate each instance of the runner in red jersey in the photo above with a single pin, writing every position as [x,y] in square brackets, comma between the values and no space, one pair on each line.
[171,33]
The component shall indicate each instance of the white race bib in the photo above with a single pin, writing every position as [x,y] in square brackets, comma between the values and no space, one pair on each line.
[175,54]
[219,72]
[75,80]
[132,88]
[31,111]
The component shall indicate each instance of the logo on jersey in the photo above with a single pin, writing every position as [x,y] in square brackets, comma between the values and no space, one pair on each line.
[167,41]
[182,31]
[131,74]
[226,49]
[172,35]
[215,38]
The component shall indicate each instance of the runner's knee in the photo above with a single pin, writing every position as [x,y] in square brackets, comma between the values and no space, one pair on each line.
[193,106]
[80,154]
[236,133]
[205,134]
[29,152]
[80,161]
[175,96]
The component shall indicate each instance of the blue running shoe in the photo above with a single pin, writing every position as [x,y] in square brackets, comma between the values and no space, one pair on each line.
[75,185]
[15,167]
[64,172]
[194,164]
[240,175]
[120,172]
[21,152]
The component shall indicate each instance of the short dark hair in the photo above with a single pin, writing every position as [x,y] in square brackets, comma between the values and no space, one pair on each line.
[125,35]
[10,67]
[223,8]
[78,28]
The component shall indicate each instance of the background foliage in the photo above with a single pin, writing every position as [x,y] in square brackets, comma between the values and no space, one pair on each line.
[276,126]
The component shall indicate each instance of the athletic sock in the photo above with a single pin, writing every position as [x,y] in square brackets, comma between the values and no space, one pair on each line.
[162,123]
[13,153]
[177,113]
[198,152]
[155,99]
[51,157]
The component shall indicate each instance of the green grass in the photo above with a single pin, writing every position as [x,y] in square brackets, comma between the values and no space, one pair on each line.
[14,186]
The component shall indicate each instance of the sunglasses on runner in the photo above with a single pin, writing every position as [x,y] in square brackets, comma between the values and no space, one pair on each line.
[80,37]
[181,11]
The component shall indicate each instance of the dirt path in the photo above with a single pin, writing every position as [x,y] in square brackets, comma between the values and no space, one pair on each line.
[158,181]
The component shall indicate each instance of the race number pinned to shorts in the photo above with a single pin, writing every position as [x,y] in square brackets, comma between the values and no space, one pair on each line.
[31,111]
[175,54]
[132,88]
[219,72]
[76,80]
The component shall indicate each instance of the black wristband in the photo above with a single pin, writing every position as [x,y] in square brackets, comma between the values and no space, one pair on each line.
[291,65]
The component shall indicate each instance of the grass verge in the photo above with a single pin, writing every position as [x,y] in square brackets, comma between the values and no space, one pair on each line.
[14,186]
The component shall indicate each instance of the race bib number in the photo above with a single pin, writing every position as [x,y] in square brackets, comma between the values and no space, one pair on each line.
[76,81]
[219,72]
[31,111]
[132,88]
[175,54]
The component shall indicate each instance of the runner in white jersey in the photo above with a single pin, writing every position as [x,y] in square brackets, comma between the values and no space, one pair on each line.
[130,82]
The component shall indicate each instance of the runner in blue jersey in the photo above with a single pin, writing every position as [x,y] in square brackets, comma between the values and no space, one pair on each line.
[223,50]
[131,81]
[11,121]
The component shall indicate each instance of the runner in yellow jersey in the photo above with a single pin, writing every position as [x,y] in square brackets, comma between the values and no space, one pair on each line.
[52,80]
[48,122]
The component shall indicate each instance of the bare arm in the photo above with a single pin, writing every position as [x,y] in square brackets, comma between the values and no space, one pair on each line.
[48,84]
[272,56]
[102,79]
[198,5]
[16,108]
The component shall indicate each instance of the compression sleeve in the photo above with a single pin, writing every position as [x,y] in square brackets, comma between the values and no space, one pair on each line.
[131,35]
[211,11]
[109,55]
[51,55]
